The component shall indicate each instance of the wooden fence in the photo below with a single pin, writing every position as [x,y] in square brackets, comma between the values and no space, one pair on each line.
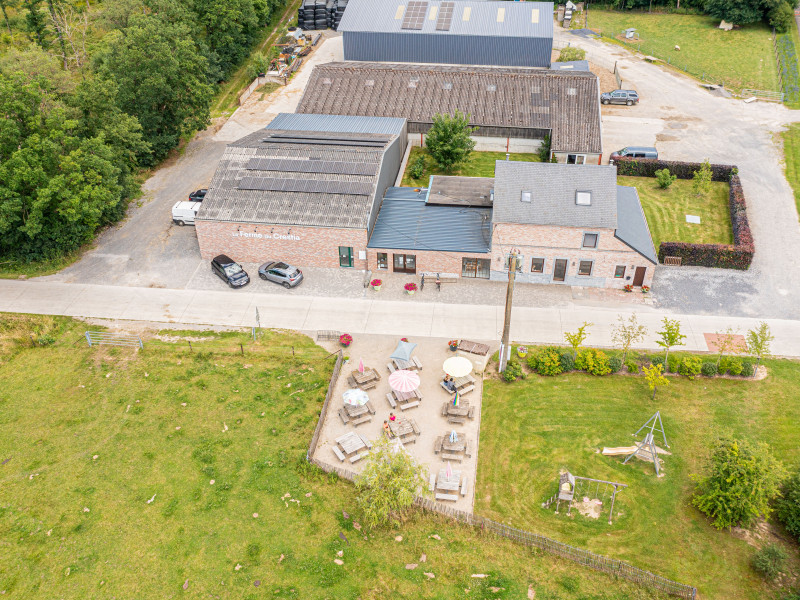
[312,447]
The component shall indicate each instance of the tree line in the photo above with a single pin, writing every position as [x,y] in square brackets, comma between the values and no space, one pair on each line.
[91,94]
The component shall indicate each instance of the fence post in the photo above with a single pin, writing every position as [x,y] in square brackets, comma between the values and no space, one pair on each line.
[241,348]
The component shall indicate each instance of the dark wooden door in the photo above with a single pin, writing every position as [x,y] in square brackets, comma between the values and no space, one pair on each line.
[405,263]
[638,277]
[560,270]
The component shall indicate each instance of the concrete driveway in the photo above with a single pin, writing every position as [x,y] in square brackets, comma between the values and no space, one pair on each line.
[686,122]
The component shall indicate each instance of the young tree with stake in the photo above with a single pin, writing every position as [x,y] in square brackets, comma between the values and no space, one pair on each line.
[654,377]
[626,333]
[577,338]
[726,342]
[670,336]
[758,341]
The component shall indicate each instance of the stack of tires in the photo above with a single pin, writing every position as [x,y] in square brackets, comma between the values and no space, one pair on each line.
[337,18]
[320,14]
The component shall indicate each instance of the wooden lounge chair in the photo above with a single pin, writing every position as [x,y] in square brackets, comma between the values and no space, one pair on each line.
[338,453]
[437,445]
[408,405]
[450,497]
[390,399]
[343,416]
[464,486]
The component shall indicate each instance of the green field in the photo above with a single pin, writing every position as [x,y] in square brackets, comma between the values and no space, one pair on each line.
[107,483]
[666,211]
[742,58]
[479,164]
[532,428]
[791,155]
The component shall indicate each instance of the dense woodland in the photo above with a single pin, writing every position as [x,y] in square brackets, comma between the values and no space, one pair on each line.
[91,93]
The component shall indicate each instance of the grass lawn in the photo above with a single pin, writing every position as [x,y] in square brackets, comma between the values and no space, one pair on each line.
[107,483]
[479,164]
[742,58]
[791,154]
[666,211]
[532,428]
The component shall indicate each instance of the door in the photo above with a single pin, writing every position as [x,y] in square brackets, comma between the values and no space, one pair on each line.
[405,263]
[345,256]
[560,270]
[638,277]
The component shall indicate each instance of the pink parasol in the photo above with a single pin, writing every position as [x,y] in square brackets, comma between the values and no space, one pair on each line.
[360,365]
[449,472]
[404,381]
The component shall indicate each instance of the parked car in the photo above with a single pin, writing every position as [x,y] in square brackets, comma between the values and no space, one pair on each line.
[628,97]
[280,272]
[183,213]
[634,152]
[197,195]
[230,271]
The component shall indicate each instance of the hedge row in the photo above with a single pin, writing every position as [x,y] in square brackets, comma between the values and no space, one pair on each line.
[725,256]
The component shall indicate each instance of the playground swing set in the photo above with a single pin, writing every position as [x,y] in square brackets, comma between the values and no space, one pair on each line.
[645,449]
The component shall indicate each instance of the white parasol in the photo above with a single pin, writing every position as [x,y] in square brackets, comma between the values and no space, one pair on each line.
[457,366]
[355,397]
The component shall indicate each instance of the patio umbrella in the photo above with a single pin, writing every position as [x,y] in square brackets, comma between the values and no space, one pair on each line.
[457,366]
[449,472]
[360,365]
[355,397]
[403,350]
[453,437]
[404,381]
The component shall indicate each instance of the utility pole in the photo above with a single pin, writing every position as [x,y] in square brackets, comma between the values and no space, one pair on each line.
[505,345]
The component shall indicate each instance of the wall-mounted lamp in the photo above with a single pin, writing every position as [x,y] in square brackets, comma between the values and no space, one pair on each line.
[272,230]
[290,231]
[239,228]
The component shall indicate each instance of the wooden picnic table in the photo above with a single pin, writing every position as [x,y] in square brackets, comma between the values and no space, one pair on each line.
[404,429]
[351,442]
[365,377]
[355,411]
[449,484]
[462,382]
[406,396]
[411,365]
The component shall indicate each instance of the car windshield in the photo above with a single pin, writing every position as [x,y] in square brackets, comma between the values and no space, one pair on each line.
[623,152]
[232,269]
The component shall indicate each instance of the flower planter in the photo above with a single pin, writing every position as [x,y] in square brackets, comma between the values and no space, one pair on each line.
[453,348]
[377,288]
[345,339]
[522,351]
[410,292]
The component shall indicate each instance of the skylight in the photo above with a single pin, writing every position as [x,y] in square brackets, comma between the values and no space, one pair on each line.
[467,13]
[534,15]
[583,198]
[501,14]
[525,196]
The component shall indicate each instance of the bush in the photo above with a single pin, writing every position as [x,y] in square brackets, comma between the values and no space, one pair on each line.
[690,366]
[781,17]
[632,366]
[674,363]
[593,361]
[709,369]
[512,372]
[571,53]
[567,362]
[770,560]
[548,362]
[730,365]
[665,178]
[532,361]
[789,506]
[418,167]
[615,364]
[748,367]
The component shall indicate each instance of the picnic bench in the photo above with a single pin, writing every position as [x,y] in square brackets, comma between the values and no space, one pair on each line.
[352,446]
[458,414]
[357,415]
[473,347]
[411,365]
[404,400]
[366,380]
[405,429]
[447,487]
[453,450]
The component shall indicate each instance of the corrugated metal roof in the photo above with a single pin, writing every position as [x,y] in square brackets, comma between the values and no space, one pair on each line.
[406,222]
[565,102]
[570,65]
[553,189]
[337,123]
[632,225]
[493,19]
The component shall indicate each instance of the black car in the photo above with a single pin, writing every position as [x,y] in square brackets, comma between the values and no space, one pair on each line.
[230,271]
[628,97]
[197,195]
[280,272]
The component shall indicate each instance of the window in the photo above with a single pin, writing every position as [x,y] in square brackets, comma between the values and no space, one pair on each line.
[583,198]
[476,268]
[525,196]
[585,267]
[537,265]
[619,272]
[576,159]
[383,260]
[590,240]
[520,260]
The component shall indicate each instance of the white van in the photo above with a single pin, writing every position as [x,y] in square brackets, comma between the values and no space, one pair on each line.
[183,213]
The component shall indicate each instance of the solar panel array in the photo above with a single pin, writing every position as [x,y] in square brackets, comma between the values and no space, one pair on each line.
[326,140]
[415,15]
[445,16]
[318,186]
[334,167]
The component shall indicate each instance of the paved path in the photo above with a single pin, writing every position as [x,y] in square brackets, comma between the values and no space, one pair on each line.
[394,317]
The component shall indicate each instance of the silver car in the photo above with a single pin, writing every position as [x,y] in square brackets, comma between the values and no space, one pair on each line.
[280,272]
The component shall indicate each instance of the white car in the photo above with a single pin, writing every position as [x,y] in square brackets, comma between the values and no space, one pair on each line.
[183,213]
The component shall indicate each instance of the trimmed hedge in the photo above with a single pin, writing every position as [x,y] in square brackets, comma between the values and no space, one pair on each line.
[725,256]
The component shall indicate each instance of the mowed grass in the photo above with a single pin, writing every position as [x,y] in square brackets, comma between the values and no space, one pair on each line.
[666,211]
[479,164]
[106,484]
[533,428]
[791,155]
[742,58]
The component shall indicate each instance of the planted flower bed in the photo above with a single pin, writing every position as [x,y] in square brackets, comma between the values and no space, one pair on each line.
[787,56]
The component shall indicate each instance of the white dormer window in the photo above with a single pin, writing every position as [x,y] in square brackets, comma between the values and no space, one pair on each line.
[525,196]
[583,198]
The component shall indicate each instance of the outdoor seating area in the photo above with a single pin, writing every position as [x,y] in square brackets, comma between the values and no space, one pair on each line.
[448,483]
[453,446]
[458,414]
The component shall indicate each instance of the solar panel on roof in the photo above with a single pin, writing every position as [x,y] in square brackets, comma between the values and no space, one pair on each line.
[334,167]
[415,15]
[445,16]
[315,186]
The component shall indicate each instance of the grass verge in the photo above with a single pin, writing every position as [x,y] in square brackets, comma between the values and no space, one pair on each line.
[479,164]
[791,155]
[140,474]
[532,428]
[666,211]
[742,58]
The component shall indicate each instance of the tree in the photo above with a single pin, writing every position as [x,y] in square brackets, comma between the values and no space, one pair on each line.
[758,342]
[654,377]
[738,12]
[231,26]
[544,149]
[576,339]
[670,336]
[448,140]
[702,179]
[5,5]
[664,178]
[726,342]
[571,53]
[741,482]
[35,22]
[387,486]
[627,333]
[781,17]
[788,507]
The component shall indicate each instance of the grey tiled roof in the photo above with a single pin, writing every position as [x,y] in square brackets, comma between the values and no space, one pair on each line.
[337,123]
[278,187]
[632,226]
[406,222]
[566,102]
[482,18]
[553,188]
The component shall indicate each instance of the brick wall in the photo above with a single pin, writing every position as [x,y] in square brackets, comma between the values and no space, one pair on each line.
[299,246]
[427,261]
[551,242]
